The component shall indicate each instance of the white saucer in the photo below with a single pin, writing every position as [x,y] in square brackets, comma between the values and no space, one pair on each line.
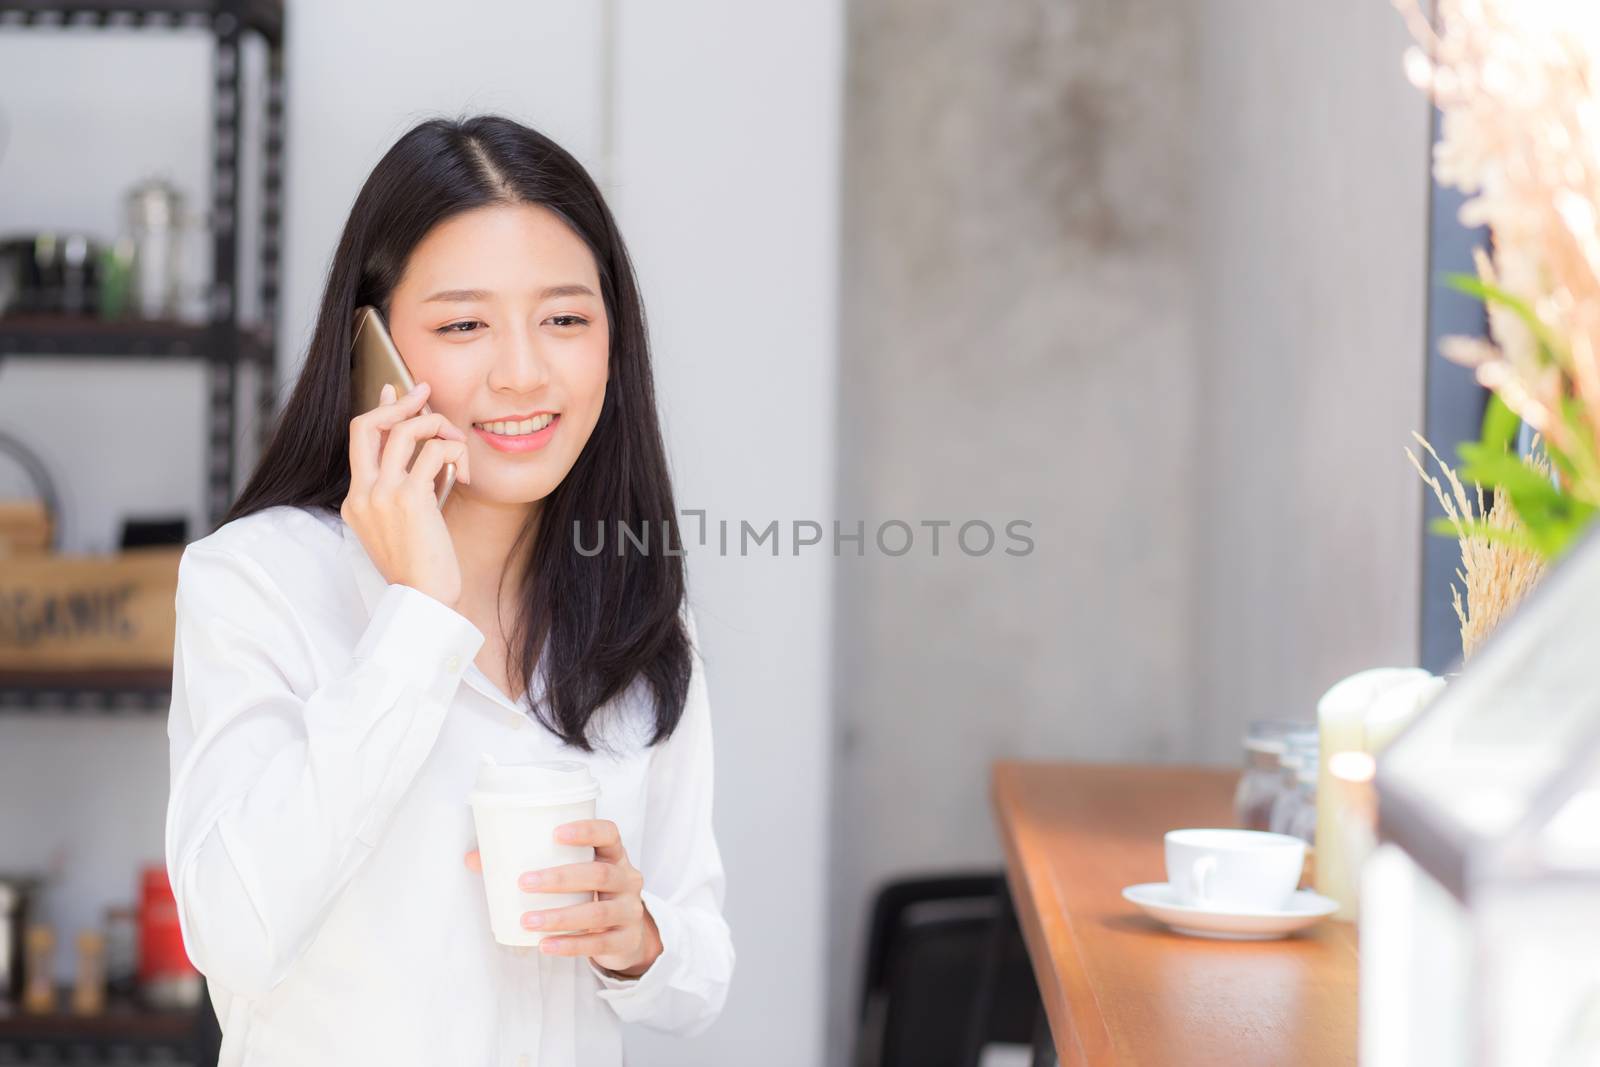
[1160,900]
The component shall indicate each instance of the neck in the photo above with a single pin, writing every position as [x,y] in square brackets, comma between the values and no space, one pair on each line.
[483,532]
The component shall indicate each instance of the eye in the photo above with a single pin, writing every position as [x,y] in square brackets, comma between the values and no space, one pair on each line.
[451,327]
[569,320]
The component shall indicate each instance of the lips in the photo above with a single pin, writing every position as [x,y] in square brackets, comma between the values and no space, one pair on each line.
[519,442]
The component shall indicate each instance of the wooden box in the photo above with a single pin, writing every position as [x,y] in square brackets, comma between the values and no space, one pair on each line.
[24,527]
[86,612]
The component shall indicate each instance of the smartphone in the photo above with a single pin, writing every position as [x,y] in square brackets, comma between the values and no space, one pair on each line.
[376,362]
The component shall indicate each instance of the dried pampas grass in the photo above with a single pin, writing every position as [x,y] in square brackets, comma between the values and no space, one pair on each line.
[1517,83]
[1495,573]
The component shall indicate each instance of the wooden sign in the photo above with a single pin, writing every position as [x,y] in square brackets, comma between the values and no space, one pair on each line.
[86,612]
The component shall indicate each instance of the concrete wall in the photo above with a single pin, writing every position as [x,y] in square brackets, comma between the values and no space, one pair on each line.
[658,103]
[1150,275]
[1017,344]
[1312,157]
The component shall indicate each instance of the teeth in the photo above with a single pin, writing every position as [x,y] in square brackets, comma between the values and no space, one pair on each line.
[518,429]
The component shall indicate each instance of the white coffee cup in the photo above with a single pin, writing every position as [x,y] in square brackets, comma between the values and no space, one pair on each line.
[1234,870]
[517,807]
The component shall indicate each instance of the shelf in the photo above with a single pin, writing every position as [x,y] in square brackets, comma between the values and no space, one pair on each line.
[121,1019]
[263,16]
[105,691]
[77,335]
[126,1034]
[221,346]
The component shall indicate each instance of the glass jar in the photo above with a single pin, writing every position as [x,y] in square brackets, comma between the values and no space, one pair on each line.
[1260,782]
[155,218]
[1302,822]
[1294,804]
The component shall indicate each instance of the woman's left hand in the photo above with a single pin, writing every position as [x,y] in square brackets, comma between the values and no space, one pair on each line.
[620,934]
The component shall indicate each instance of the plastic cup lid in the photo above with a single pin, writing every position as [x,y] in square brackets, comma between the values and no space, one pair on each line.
[545,782]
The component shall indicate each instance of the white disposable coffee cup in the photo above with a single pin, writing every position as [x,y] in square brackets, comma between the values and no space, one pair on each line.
[517,807]
[1234,870]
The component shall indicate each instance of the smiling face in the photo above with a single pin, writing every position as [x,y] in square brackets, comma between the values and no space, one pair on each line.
[499,311]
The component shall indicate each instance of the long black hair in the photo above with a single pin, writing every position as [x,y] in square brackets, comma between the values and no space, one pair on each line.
[596,622]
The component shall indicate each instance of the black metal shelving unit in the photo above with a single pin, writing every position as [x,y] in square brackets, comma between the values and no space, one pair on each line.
[224,345]
[125,1034]
[128,1033]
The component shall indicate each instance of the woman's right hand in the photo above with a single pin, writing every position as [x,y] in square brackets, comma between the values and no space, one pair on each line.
[395,511]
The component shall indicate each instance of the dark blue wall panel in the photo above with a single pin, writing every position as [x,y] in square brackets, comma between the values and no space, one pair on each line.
[1454,409]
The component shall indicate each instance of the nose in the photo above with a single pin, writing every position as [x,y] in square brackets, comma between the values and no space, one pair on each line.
[520,366]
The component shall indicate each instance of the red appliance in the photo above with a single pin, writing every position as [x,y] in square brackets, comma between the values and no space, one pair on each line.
[166,977]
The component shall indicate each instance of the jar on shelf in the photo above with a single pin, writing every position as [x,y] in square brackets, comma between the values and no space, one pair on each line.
[10,943]
[122,952]
[39,989]
[89,981]
[155,210]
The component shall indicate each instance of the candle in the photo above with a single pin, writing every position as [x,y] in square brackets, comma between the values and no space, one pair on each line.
[1341,727]
[1395,707]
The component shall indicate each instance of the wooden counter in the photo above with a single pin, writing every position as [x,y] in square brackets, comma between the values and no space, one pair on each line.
[1119,987]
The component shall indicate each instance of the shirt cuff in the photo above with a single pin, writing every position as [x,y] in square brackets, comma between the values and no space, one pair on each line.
[420,639]
[631,996]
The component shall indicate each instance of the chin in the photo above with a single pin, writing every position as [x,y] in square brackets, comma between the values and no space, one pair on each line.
[506,494]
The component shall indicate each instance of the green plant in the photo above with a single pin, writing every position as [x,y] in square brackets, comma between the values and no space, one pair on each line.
[1553,511]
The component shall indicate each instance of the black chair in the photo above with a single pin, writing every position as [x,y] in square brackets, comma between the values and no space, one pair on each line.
[946,974]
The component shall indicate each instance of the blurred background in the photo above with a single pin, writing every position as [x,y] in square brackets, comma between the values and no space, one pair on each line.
[1147,275]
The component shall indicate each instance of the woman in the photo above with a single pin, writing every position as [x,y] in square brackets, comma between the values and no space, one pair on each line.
[347,651]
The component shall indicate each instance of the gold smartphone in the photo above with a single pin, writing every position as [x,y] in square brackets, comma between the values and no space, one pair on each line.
[376,362]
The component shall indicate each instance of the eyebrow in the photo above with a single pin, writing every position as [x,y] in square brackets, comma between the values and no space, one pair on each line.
[550,293]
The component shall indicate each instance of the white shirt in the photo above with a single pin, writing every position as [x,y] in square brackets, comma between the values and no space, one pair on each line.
[323,746]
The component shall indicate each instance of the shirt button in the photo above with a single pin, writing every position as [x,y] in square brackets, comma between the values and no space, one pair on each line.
[453,663]
[522,1060]
[519,724]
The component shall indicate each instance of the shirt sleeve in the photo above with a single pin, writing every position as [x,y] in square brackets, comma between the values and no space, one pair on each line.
[684,884]
[282,783]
